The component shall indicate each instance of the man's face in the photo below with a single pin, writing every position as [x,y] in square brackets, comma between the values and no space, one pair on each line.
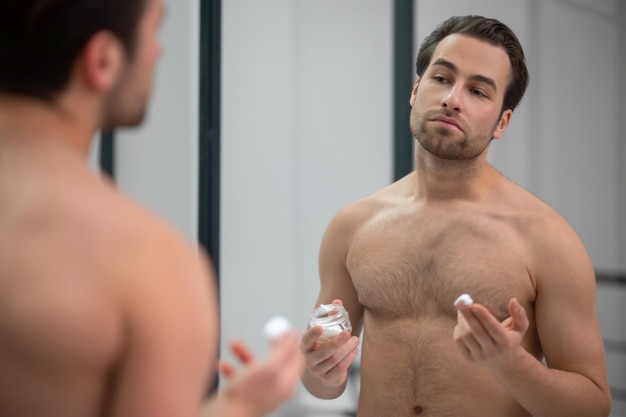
[127,102]
[456,104]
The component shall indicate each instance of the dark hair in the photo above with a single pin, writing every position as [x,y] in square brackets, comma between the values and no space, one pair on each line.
[41,39]
[486,29]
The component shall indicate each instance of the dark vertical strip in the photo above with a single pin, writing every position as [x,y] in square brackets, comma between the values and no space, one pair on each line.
[402,84]
[209,147]
[209,140]
[107,153]
[621,142]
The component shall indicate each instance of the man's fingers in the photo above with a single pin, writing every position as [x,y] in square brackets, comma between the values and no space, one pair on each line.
[309,339]
[330,358]
[518,314]
[479,330]
[285,347]
[226,369]
[241,351]
[291,360]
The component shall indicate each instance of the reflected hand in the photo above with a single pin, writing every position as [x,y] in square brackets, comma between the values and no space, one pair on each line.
[485,341]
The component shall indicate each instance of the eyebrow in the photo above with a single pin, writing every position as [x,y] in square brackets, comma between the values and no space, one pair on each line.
[480,78]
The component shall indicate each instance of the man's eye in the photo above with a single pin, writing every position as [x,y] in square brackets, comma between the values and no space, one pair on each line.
[478,93]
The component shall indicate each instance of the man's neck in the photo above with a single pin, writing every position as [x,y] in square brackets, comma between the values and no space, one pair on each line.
[31,120]
[440,180]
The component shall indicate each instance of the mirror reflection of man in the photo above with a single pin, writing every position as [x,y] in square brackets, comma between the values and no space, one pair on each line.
[399,259]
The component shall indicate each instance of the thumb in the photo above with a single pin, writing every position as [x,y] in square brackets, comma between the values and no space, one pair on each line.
[519,319]
[285,347]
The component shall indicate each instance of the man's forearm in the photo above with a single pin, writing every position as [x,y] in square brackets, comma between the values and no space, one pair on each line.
[546,392]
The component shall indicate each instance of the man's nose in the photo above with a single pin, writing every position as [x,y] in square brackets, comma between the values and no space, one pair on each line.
[452,99]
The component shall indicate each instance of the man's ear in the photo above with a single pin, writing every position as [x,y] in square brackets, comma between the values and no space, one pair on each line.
[414,92]
[101,61]
[503,123]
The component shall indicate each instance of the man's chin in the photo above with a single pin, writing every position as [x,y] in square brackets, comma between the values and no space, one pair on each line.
[127,122]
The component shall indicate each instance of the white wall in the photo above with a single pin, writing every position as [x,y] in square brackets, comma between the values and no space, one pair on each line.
[158,162]
[578,114]
[306,129]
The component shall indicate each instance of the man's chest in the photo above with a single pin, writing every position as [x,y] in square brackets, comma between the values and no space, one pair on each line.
[415,268]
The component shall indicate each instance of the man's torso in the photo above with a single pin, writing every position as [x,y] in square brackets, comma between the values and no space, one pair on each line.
[408,264]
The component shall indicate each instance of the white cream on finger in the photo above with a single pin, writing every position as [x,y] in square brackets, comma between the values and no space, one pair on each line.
[465,299]
[276,327]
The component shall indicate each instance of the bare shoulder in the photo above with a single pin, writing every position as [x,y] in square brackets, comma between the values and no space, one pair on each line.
[164,288]
[138,238]
[74,244]
[142,258]
[350,218]
[551,240]
[90,280]
[170,307]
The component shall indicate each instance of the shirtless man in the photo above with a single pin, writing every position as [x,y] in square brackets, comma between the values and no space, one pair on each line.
[399,259]
[105,310]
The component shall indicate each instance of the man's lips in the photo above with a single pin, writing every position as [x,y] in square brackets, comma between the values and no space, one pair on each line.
[447,122]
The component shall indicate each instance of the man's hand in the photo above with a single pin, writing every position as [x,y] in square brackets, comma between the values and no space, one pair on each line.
[261,386]
[329,361]
[485,341]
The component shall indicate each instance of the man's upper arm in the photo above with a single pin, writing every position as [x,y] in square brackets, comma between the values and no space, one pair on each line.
[171,327]
[335,280]
[565,307]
